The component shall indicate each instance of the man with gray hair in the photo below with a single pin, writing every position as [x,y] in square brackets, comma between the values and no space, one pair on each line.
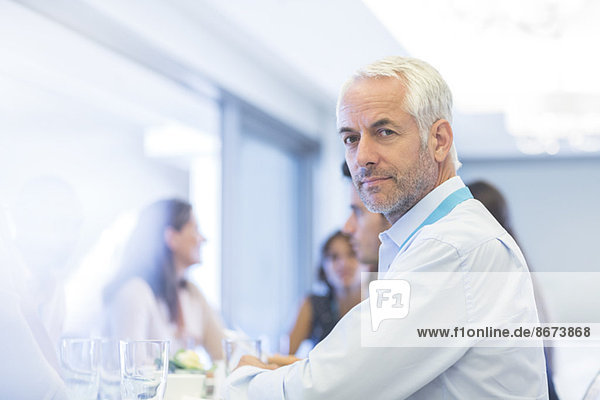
[455,265]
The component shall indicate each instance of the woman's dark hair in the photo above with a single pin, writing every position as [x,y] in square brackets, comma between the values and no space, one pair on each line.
[325,250]
[147,255]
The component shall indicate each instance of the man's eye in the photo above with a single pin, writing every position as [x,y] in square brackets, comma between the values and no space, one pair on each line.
[350,139]
[386,132]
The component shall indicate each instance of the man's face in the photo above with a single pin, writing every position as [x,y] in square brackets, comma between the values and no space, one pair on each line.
[390,167]
[364,228]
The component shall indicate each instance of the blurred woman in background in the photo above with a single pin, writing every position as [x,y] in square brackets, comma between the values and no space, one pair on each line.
[340,271]
[150,298]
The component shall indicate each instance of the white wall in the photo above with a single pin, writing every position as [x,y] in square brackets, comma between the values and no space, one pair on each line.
[107,169]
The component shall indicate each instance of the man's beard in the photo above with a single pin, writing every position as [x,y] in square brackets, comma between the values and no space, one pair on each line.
[409,187]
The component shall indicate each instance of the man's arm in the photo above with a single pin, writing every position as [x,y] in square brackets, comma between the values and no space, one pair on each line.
[341,367]
[446,290]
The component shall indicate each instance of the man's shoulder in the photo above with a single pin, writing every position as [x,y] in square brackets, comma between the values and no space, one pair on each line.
[468,226]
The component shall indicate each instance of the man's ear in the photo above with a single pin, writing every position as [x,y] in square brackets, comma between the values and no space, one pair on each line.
[442,137]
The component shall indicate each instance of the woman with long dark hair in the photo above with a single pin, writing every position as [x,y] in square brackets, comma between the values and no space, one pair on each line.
[340,271]
[150,298]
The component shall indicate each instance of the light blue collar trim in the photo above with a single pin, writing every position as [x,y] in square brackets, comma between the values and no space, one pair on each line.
[409,222]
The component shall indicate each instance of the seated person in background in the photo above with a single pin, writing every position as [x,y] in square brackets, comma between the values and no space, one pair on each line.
[150,297]
[29,368]
[340,271]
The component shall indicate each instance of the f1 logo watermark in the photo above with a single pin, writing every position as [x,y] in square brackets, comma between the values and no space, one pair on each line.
[389,299]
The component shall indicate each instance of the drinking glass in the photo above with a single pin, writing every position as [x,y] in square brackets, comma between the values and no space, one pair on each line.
[110,370]
[236,348]
[144,367]
[79,367]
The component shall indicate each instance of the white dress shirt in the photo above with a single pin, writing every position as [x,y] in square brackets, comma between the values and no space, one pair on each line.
[466,246]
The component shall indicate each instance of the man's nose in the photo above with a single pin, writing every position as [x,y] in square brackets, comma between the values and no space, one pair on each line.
[350,226]
[366,151]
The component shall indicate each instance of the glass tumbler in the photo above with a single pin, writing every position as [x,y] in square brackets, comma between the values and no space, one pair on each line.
[234,349]
[144,368]
[79,359]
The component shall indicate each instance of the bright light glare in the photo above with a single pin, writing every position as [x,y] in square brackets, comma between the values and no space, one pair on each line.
[179,140]
[496,54]
[84,288]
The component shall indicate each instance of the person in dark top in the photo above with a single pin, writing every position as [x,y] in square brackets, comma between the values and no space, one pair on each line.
[340,271]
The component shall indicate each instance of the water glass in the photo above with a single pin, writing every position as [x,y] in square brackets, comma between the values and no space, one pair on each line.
[110,370]
[235,348]
[144,367]
[79,359]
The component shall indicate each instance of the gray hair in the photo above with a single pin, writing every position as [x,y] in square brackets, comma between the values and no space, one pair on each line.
[428,97]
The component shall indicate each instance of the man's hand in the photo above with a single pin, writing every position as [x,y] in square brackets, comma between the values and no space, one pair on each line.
[281,360]
[255,362]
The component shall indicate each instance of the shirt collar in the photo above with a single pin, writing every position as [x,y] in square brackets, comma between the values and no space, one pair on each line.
[401,230]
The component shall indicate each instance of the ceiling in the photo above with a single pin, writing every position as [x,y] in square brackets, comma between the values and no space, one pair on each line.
[514,67]
[517,69]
